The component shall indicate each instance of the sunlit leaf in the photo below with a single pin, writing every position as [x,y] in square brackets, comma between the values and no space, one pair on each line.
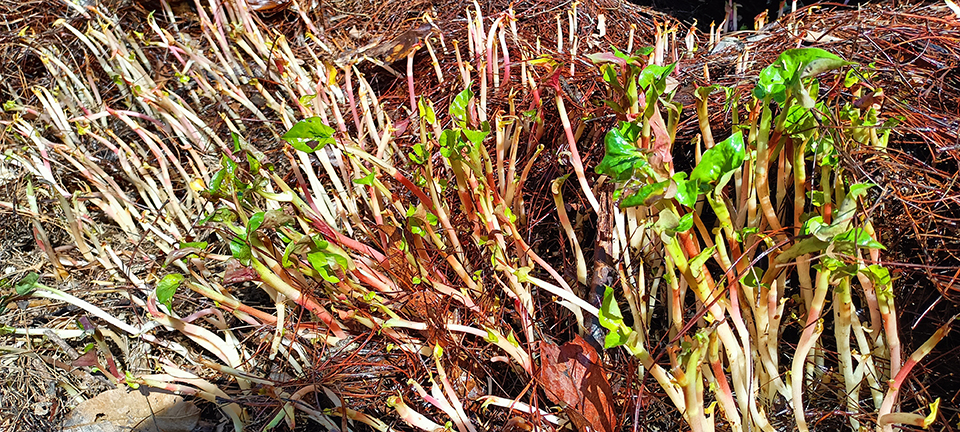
[789,69]
[167,287]
[860,238]
[686,222]
[647,195]
[669,223]
[703,92]
[697,262]
[655,76]
[718,163]
[622,158]
[612,319]
[636,57]
[475,136]
[199,245]
[607,57]
[687,191]
[366,180]
[308,131]
[254,223]
[771,85]
[305,99]
[321,262]
[610,77]
[449,140]
[425,109]
[459,106]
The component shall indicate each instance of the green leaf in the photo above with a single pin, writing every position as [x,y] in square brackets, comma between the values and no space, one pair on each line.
[222,183]
[837,267]
[753,277]
[253,163]
[878,274]
[803,247]
[237,146]
[475,136]
[449,143]
[670,224]
[415,229]
[859,237]
[308,131]
[240,249]
[812,225]
[623,159]
[366,180]
[610,76]
[198,245]
[719,163]
[817,198]
[254,223]
[788,70]
[851,78]
[703,92]
[800,120]
[815,61]
[654,77]
[522,274]
[647,195]
[512,338]
[321,262]
[27,284]
[636,58]
[848,208]
[614,106]
[426,110]
[611,319]
[130,380]
[167,287]
[686,222]
[459,106]
[741,235]
[771,84]
[305,99]
[687,190]
[419,154]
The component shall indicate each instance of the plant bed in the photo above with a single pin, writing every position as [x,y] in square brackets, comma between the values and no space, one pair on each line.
[463,216]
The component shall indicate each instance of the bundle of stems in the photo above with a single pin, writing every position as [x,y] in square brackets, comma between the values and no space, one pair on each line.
[743,256]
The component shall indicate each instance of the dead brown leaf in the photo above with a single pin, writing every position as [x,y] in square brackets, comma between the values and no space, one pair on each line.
[129,410]
[573,377]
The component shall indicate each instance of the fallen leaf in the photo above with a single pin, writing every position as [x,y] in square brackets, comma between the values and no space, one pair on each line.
[238,273]
[573,378]
[88,358]
[129,410]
